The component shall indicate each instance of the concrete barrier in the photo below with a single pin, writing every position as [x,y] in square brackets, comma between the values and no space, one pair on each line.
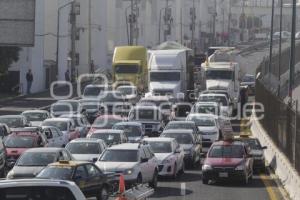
[287,174]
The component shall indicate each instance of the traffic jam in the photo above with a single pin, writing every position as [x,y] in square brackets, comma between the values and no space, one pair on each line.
[158,116]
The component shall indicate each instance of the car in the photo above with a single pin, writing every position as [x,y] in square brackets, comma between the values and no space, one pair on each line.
[297,36]
[93,91]
[180,111]
[105,122]
[169,154]
[32,161]
[133,130]
[86,149]
[20,140]
[228,159]
[162,102]
[208,127]
[226,107]
[135,161]
[110,136]
[4,131]
[256,150]
[217,92]
[249,81]
[62,107]
[150,117]
[92,109]
[87,176]
[130,93]
[207,108]
[191,145]
[36,117]
[14,121]
[2,158]
[65,125]
[189,125]
[113,103]
[44,189]
[284,35]
[55,137]
[81,123]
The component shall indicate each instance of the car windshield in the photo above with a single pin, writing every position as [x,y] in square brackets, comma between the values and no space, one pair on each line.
[143,114]
[126,90]
[112,155]
[36,159]
[164,76]
[34,117]
[93,91]
[202,121]
[226,151]
[91,106]
[109,138]
[248,79]
[62,126]
[62,108]
[83,148]
[126,69]
[219,74]
[213,98]
[111,97]
[181,138]
[206,109]
[19,142]
[253,144]
[12,122]
[130,131]
[160,147]
[54,172]
[179,126]
[105,123]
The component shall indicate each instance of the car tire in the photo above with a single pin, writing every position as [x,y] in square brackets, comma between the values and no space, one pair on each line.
[174,176]
[205,181]
[103,194]
[2,173]
[246,179]
[154,181]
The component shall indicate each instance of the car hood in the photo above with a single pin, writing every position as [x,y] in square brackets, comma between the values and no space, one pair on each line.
[36,123]
[168,85]
[218,84]
[26,172]
[162,156]
[186,146]
[15,151]
[207,128]
[221,162]
[134,139]
[85,157]
[115,166]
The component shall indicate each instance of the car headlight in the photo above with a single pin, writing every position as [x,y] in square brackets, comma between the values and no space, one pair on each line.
[166,161]
[206,167]
[10,174]
[240,167]
[128,171]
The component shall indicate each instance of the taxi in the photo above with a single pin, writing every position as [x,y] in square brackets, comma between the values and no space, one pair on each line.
[256,150]
[89,178]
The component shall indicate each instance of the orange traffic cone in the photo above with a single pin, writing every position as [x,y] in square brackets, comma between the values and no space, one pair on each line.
[121,188]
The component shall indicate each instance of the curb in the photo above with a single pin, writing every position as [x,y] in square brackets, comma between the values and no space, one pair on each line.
[287,175]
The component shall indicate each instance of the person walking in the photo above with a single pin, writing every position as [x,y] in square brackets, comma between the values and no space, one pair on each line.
[67,75]
[29,79]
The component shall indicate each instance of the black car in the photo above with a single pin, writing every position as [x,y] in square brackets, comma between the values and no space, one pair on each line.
[89,178]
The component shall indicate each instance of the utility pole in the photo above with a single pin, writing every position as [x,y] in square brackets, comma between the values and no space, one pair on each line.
[229,24]
[292,55]
[90,36]
[181,27]
[214,22]
[131,19]
[166,17]
[244,21]
[73,39]
[280,46]
[271,39]
[193,24]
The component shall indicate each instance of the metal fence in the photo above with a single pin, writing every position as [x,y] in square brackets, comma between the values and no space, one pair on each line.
[281,122]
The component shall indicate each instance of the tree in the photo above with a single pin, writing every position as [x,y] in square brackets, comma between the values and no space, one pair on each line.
[8,55]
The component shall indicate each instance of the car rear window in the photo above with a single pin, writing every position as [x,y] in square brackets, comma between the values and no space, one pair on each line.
[36,193]
[229,151]
[19,142]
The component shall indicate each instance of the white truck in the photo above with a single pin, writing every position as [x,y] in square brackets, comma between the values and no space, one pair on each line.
[169,73]
[222,76]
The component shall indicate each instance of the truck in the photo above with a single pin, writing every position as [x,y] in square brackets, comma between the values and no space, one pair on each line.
[170,73]
[129,67]
[223,77]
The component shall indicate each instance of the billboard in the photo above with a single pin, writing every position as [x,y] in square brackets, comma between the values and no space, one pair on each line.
[17,22]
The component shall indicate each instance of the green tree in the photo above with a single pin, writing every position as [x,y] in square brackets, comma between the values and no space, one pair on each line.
[8,55]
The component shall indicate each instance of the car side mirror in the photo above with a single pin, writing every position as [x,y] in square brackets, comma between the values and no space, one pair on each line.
[77,177]
[264,147]
[143,160]
[95,160]
[187,113]
[83,110]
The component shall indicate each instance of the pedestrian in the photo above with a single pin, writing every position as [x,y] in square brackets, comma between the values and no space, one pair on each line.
[67,75]
[244,98]
[29,79]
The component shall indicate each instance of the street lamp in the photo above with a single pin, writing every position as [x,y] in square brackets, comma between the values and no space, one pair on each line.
[57,34]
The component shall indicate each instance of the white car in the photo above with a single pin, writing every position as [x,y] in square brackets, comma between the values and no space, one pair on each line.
[54,189]
[169,154]
[136,162]
[133,130]
[209,128]
[36,117]
[86,149]
[206,108]
[55,137]
[226,107]
[130,93]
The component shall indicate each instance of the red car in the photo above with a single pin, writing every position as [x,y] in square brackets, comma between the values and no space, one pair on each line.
[228,160]
[20,140]
[105,122]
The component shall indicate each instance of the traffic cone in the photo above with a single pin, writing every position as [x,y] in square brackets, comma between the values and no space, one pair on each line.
[121,188]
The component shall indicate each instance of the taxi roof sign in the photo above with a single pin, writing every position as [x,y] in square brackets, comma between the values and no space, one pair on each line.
[64,162]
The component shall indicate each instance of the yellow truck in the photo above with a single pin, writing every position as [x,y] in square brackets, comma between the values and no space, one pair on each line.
[129,66]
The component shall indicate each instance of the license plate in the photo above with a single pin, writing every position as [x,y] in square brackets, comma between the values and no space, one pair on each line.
[223,175]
